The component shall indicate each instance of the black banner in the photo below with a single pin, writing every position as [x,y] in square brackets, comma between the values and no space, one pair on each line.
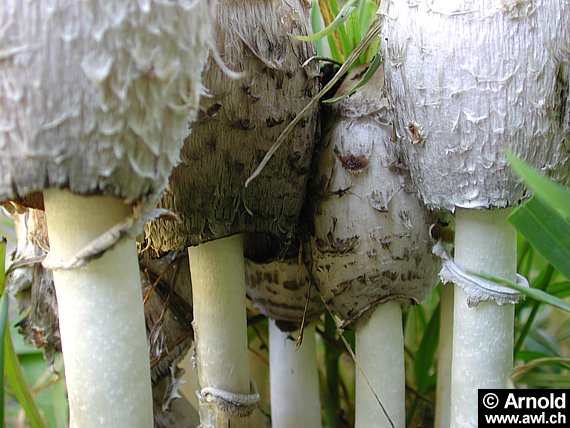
[524,407]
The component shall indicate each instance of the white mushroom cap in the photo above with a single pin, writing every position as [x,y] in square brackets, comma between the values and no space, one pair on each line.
[95,96]
[469,79]
[371,238]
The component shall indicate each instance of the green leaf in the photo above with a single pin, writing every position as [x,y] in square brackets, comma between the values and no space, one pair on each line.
[317,25]
[426,353]
[367,76]
[549,192]
[3,323]
[546,380]
[343,15]
[10,359]
[560,289]
[527,355]
[546,230]
[533,293]
[541,283]
[19,385]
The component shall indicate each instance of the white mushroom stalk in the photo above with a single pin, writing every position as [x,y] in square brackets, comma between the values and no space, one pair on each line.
[240,119]
[444,359]
[371,249]
[95,98]
[294,378]
[220,332]
[280,289]
[468,80]
[100,311]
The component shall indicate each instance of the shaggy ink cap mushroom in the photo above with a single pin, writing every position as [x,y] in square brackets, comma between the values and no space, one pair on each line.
[239,121]
[371,241]
[468,81]
[95,97]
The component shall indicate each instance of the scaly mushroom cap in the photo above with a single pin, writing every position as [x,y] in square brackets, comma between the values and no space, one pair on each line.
[279,284]
[371,237]
[238,124]
[469,79]
[96,96]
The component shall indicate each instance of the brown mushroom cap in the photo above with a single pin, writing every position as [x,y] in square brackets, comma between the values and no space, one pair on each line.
[371,240]
[469,80]
[95,96]
[239,121]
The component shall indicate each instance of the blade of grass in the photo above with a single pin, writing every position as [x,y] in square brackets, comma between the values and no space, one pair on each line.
[426,352]
[549,192]
[521,371]
[533,293]
[334,40]
[344,14]
[541,283]
[317,26]
[546,230]
[560,289]
[3,323]
[546,380]
[370,36]
[19,385]
[332,355]
[374,65]
[12,368]
[344,39]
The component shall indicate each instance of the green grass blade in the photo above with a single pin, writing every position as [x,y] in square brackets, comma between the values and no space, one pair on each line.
[533,293]
[19,385]
[343,36]
[3,323]
[317,25]
[541,283]
[426,354]
[546,230]
[546,380]
[344,14]
[332,355]
[549,192]
[367,76]
[12,368]
[560,289]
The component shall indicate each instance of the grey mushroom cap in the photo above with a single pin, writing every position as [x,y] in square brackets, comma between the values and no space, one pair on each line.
[370,241]
[280,290]
[239,122]
[95,96]
[470,80]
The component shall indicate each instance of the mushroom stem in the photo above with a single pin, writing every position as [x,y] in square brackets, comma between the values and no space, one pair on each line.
[485,242]
[380,354]
[101,315]
[220,324]
[294,380]
[444,355]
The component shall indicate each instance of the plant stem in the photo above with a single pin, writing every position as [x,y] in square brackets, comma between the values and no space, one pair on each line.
[259,372]
[294,379]
[332,355]
[485,242]
[444,355]
[101,315]
[220,323]
[380,355]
